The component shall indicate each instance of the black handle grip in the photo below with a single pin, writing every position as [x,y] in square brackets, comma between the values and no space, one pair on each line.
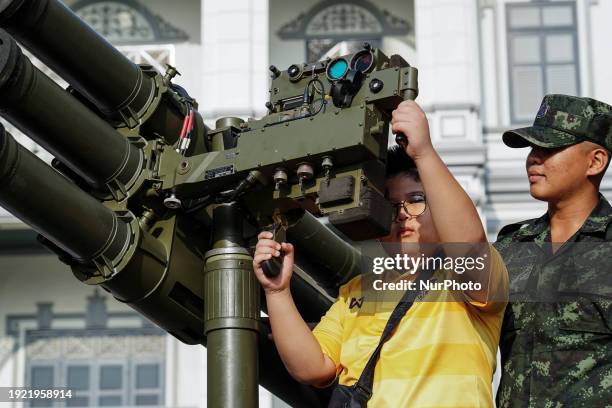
[401,139]
[272,267]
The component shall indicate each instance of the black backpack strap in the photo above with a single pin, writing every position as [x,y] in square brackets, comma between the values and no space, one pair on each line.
[364,384]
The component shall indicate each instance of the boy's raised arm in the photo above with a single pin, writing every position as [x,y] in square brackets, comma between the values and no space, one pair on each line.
[453,212]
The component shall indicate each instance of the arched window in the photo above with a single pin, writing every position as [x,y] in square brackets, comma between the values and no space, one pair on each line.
[339,27]
[127,22]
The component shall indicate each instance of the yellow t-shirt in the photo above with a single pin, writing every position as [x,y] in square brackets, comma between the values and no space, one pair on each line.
[442,354]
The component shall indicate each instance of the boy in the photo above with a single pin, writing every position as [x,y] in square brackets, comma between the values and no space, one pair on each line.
[441,353]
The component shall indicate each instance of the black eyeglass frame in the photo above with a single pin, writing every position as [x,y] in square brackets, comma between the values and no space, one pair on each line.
[397,208]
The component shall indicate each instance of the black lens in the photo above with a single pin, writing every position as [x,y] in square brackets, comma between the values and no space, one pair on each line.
[362,61]
[293,71]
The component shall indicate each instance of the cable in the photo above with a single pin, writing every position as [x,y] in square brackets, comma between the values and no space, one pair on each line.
[306,100]
[187,139]
[321,91]
[186,133]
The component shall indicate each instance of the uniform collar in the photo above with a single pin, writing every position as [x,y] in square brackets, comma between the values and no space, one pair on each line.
[599,218]
[534,228]
[596,222]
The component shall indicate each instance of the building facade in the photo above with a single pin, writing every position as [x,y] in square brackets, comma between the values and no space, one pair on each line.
[484,66]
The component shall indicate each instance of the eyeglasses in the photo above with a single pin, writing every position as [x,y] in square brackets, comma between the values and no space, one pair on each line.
[414,206]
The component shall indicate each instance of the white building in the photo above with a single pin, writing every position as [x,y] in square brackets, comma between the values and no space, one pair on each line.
[484,66]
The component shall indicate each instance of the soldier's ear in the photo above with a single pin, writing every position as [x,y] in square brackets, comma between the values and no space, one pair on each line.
[599,159]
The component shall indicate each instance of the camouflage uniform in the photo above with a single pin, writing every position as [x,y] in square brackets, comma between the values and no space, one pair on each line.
[556,341]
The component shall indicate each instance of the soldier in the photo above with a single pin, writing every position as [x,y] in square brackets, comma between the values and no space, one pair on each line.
[556,343]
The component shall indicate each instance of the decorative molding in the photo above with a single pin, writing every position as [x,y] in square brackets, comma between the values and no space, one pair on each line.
[76,347]
[371,20]
[94,344]
[110,346]
[343,19]
[127,22]
[44,349]
[95,320]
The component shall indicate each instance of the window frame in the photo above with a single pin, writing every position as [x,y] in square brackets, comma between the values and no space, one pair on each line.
[123,392]
[56,379]
[89,393]
[541,32]
[128,391]
[136,392]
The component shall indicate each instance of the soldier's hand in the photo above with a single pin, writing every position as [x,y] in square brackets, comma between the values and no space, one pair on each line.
[266,249]
[410,120]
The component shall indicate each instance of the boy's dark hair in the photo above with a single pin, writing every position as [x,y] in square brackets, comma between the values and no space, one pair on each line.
[398,162]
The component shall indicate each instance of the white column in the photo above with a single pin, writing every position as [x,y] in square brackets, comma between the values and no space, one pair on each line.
[447,45]
[185,375]
[490,111]
[599,12]
[232,81]
[234,60]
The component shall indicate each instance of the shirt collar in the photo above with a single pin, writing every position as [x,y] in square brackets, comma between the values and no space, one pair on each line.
[596,222]
[534,228]
[599,218]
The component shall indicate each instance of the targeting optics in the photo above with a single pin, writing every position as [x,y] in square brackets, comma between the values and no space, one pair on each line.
[337,69]
[363,61]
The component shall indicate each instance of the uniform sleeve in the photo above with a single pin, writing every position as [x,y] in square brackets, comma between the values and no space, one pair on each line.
[329,330]
[497,292]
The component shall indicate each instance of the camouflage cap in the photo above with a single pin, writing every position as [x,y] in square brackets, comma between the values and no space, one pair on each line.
[563,121]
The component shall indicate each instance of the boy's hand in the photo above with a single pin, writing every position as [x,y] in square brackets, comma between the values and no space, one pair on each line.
[410,120]
[265,249]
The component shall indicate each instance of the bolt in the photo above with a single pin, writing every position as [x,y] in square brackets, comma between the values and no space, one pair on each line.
[184,167]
